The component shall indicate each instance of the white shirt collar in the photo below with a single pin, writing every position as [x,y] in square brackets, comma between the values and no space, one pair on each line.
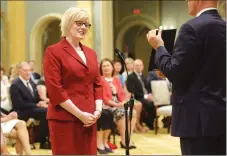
[204,10]
[23,80]
[138,74]
[108,79]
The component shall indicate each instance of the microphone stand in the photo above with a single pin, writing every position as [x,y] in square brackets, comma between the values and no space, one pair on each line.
[127,105]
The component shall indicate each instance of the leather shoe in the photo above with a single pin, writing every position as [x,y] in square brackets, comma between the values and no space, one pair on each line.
[108,150]
[102,151]
[45,146]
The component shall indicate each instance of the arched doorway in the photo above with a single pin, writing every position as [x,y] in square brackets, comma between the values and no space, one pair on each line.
[136,42]
[132,32]
[46,31]
[52,34]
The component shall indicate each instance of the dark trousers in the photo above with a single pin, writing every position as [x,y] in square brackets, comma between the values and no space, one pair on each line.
[203,145]
[150,112]
[38,114]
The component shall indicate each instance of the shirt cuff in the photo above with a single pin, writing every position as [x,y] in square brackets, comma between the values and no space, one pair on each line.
[98,104]
[145,96]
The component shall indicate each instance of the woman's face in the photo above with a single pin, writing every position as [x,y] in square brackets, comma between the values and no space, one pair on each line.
[129,65]
[107,68]
[79,29]
[117,67]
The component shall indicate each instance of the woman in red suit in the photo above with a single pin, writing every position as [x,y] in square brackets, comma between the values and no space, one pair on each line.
[74,87]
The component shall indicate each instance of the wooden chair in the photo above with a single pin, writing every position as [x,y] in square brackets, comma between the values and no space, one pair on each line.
[161,98]
[163,111]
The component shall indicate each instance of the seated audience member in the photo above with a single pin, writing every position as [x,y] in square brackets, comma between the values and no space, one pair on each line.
[16,129]
[104,125]
[113,98]
[117,69]
[13,73]
[4,78]
[42,91]
[34,76]
[138,108]
[6,105]
[4,150]
[130,67]
[27,103]
[137,84]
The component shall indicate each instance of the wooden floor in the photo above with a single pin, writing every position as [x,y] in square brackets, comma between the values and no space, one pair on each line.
[147,144]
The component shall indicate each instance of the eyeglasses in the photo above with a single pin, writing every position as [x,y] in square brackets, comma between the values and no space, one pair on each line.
[80,23]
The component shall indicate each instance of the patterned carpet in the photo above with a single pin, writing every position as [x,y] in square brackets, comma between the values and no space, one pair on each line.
[147,144]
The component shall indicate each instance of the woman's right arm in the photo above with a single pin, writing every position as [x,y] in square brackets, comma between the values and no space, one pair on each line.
[53,79]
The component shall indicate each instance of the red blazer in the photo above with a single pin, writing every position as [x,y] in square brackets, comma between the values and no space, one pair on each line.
[107,92]
[68,77]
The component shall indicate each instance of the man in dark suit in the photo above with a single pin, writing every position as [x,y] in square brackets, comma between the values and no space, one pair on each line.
[199,98]
[136,83]
[26,102]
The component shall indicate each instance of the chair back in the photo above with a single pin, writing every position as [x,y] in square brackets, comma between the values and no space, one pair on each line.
[160,92]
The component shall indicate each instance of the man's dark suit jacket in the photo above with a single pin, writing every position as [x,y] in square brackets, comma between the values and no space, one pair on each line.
[134,86]
[21,97]
[198,97]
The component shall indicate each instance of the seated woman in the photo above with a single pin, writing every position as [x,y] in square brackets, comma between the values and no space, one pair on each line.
[6,105]
[104,125]
[16,129]
[43,93]
[117,70]
[113,97]
[130,68]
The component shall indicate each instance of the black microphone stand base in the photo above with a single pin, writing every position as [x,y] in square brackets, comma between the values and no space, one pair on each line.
[126,105]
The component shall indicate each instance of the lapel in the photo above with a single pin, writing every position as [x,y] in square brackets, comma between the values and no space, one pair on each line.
[70,50]
[143,79]
[138,81]
[23,87]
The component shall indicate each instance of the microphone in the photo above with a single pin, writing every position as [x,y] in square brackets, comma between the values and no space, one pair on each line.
[126,105]
[131,101]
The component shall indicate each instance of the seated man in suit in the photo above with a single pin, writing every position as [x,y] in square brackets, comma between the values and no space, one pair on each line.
[27,104]
[137,84]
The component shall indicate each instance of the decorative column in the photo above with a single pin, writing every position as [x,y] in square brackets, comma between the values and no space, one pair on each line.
[88,5]
[107,49]
[16,32]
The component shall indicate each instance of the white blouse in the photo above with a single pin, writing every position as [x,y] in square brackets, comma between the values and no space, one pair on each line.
[81,54]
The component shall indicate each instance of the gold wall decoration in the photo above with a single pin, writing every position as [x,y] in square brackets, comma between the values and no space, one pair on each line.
[4,39]
[16,14]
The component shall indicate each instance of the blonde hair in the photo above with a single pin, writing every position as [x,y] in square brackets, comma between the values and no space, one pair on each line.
[71,15]
[129,60]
